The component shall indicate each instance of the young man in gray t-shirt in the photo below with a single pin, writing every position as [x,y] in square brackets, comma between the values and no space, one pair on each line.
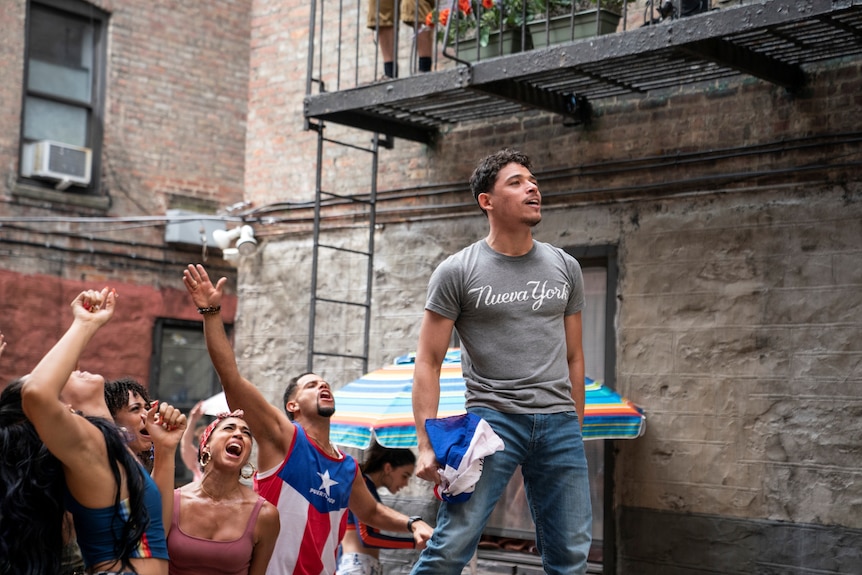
[516,304]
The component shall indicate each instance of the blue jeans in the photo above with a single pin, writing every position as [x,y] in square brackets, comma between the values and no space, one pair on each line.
[550,451]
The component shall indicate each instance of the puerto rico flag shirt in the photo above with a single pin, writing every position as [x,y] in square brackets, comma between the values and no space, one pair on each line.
[311,491]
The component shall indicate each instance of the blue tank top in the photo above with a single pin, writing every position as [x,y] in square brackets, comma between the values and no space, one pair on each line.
[97,529]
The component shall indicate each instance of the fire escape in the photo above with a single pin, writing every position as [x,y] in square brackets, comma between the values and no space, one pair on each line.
[772,40]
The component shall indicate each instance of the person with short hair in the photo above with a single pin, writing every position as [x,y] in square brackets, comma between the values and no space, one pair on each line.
[309,480]
[128,402]
[516,303]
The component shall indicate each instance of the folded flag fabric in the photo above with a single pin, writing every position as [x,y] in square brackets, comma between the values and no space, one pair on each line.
[461,443]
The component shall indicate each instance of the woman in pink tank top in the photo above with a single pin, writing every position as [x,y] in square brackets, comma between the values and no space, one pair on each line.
[220,526]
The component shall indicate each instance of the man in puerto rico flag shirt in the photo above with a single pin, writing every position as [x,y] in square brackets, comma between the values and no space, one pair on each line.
[310,481]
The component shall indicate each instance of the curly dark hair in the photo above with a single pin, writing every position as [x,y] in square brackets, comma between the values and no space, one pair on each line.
[378,456]
[485,175]
[117,393]
[31,494]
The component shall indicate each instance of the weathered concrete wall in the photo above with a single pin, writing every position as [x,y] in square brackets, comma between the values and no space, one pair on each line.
[737,332]
[736,209]
[741,327]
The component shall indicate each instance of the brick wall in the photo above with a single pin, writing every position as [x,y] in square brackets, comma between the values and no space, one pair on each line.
[176,92]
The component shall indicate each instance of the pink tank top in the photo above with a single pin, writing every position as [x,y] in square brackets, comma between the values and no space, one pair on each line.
[192,555]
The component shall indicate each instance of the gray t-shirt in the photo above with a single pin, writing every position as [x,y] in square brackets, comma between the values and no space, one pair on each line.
[509,315]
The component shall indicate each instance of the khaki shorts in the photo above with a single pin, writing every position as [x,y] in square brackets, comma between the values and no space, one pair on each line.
[387,12]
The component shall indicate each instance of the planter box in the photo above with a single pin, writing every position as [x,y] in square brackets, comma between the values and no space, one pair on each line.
[567,28]
[540,33]
[510,44]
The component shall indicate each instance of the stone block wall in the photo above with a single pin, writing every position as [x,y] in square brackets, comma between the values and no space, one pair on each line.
[735,208]
[736,332]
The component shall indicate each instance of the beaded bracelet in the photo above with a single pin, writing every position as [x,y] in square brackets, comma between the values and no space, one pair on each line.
[209,310]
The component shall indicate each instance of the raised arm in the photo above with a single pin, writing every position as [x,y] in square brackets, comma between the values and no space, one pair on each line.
[166,425]
[71,438]
[188,446]
[270,426]
[575,357]
[434,336]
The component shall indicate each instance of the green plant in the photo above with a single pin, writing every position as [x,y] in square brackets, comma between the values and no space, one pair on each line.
[482,18]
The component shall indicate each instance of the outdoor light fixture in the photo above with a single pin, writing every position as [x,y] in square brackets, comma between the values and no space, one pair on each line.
[244,237]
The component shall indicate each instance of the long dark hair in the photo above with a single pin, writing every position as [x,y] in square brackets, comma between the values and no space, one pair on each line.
[31,494]
[119,456]
[32,486]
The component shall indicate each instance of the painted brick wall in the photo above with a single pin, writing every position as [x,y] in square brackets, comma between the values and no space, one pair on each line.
[36,313]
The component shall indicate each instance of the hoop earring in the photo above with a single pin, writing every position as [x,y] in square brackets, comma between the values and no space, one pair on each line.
[205,458]
[249,474]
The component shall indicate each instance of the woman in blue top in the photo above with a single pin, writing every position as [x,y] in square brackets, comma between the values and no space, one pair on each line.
[115,504]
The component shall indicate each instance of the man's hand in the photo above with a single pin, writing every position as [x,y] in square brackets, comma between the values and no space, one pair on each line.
[421,533]
[427,466]
[201,288]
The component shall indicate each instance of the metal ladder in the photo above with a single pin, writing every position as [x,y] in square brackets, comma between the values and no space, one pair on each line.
[359,207]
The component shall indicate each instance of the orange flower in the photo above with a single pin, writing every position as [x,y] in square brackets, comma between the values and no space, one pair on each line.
[444,16]
[465,6]
[429,19]
[487,4]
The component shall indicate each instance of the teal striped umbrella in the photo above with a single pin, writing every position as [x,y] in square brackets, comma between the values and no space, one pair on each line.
[379,405]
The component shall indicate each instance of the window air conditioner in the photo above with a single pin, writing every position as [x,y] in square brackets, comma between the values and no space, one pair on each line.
[59,162]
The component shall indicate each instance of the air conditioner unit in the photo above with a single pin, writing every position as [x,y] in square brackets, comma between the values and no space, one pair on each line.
[58,162]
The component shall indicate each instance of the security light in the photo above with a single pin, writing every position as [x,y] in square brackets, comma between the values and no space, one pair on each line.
[244,237]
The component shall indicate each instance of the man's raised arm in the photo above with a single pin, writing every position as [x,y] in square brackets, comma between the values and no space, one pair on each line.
[272,429]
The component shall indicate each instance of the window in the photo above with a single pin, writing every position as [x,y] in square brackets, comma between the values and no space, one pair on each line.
[181,372]
[63,98]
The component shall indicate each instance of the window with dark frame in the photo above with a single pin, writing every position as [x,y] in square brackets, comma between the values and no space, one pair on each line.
[181,372]
[61,125]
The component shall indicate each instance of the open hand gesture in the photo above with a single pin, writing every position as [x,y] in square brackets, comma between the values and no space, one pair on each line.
[201,288]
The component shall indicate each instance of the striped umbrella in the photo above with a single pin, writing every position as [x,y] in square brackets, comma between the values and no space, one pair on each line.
[379,404]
